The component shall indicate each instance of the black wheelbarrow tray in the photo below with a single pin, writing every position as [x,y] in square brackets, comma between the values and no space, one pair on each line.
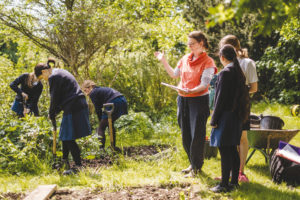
[266,140]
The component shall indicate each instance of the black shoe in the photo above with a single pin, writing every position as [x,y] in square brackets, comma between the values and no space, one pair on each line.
[70,172]
[233,186]
[219,188]
[65,164]
[73,170]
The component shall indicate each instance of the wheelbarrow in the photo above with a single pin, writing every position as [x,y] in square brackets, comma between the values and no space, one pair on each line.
[266,140]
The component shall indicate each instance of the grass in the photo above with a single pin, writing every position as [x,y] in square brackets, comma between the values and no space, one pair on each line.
[127,172]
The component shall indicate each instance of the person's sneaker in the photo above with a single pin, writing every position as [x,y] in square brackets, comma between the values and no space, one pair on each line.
[187,170]
[243,178]
[219,188]
[191,174]
[71,171]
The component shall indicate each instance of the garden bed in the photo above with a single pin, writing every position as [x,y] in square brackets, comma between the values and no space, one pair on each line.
[146,192]
[136,152]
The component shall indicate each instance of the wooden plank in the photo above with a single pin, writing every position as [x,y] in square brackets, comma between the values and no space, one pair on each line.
[42,192]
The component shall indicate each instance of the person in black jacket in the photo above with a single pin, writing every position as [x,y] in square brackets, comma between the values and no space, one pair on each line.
[100,96]
[28,94]
[230,112]
[66,96]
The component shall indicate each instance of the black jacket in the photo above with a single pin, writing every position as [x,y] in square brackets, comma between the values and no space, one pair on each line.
[102,95]
[65,93]
[224,94]
[33,93]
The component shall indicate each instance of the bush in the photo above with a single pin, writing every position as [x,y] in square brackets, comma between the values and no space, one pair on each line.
[279,67]
[138,124]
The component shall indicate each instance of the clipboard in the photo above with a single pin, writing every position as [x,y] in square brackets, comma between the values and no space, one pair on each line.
[174,87]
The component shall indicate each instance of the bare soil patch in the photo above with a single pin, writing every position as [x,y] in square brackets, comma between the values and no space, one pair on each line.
[134,193]
[106,158]
[12,196]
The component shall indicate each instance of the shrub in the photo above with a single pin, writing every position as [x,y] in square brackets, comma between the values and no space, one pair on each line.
[279,67]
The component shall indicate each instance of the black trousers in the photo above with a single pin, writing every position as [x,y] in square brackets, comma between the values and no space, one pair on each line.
[230,161]
[192,114]
[71,146]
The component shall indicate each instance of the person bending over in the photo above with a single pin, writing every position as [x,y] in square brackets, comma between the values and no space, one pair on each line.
[28,94]
[66,96]
[100,96]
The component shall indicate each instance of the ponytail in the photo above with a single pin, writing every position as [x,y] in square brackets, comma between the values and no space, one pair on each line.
[50,60]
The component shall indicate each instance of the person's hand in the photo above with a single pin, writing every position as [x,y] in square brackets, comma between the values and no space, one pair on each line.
[214,126]
[159,55]
[186,91]
[24,95]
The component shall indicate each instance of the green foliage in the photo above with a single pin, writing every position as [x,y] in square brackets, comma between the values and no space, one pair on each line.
[136,124]
[10,49]
[279,68]
[271,14]
[197,12]
[23,143]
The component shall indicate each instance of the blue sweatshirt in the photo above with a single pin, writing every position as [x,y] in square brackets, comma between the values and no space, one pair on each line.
[65,92]
[102,95]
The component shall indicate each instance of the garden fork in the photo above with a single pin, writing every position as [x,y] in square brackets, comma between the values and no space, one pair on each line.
[108,109]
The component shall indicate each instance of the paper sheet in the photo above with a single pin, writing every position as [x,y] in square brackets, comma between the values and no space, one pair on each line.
[289,153]
[173,87]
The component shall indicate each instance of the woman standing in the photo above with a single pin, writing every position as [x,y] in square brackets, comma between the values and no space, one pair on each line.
[27,95]
[100,96]
[249,69]
[195,71]
[66,96]
[230,113]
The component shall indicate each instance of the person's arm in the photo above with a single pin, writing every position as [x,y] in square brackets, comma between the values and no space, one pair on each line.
[220,97]
[253,87]
[173,73]
[252,77]
[14,85]
[54,84]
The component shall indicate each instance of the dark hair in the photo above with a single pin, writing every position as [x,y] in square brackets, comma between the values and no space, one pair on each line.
[41,66]
[234,41]
[199,36]
[241,101]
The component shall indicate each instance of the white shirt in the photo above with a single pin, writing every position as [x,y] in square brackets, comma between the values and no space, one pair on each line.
[249,68]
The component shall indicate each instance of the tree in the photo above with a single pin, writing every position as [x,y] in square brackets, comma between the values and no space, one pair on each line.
[271,14]
[71,30]
[198,12]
